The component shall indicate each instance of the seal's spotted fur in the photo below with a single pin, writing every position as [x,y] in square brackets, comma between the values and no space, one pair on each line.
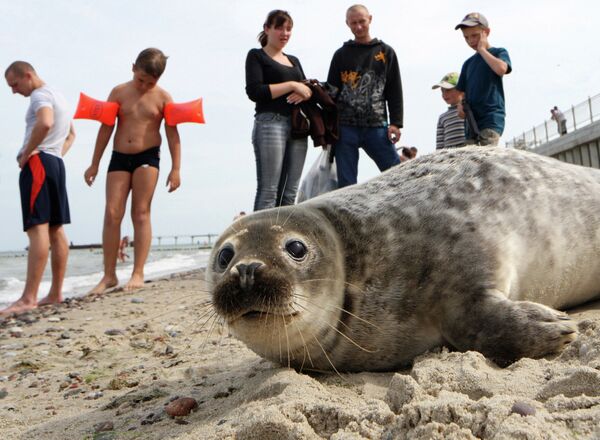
[461,247]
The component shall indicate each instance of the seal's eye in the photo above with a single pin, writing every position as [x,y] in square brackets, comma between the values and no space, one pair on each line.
[296,249]
[225,256]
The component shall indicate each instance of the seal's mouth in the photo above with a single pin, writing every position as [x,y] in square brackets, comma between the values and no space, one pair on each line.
[255,315]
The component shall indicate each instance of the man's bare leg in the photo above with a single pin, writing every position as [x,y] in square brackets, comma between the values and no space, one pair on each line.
[59,254]
[143,184]
[118,184]
[37,257]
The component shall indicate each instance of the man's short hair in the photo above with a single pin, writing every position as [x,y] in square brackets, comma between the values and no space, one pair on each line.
[356,7]
[19,68]
[152,61]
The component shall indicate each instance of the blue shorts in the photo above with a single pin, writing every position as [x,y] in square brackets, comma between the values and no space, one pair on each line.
[43,191]
[130,162]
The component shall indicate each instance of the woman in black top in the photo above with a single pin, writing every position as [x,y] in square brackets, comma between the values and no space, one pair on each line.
[273,83]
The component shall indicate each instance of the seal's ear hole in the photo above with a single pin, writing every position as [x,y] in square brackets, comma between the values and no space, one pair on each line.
[296,249]
[225,256]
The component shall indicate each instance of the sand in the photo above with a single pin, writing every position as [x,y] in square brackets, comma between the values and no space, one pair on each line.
[107,367]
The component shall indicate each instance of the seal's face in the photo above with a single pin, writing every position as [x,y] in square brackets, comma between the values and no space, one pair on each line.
[277,285]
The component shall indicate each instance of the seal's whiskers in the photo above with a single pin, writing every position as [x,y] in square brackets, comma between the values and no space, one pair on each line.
[352,341]
[327,357]
[341,309]
[305,347]
[287,340]
[281,200]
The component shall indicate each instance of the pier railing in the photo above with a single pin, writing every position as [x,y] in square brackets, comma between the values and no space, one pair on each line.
[196,240]
[577,116]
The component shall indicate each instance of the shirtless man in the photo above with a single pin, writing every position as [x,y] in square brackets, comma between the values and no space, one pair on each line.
[134,164]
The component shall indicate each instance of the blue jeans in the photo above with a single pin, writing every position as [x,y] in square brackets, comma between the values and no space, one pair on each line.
[375,142]
[279,161]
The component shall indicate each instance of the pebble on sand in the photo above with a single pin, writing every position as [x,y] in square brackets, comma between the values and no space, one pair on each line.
[181,407]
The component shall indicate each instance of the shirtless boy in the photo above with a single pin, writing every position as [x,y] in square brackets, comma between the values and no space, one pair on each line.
[134,164]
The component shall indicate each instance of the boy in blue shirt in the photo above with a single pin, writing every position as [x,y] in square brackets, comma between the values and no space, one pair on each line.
[481,81]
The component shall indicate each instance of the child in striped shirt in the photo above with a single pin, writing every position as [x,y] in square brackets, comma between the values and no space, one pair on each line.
[450,127]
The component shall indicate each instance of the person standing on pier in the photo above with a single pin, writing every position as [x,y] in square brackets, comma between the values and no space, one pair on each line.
[561,121]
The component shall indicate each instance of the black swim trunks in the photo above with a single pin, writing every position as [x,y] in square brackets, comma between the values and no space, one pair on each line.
[43,191]
[130,162]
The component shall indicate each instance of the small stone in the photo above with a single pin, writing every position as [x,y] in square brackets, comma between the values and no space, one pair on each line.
[10,354]
[107,435]
[3,393]
[181,407]
[74,375]
[113,332]
[137,300]
[523,409]
[54,319]
[141,343]
[54,329]
[73,392]
[152,418]
[65,335]
[13,347]
[169,350]
[15,332]
[94,395]
[28,319]
[3,378]
[33,385]
[104,426]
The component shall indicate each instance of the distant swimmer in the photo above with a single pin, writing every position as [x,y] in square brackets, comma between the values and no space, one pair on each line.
[124,243]
[49,135]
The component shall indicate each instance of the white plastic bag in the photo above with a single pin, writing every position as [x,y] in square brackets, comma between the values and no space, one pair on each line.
[321,178]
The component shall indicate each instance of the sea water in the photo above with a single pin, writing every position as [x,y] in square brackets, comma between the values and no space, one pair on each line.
[84,269]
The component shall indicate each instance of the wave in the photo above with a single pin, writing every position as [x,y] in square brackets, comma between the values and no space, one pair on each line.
[77,285]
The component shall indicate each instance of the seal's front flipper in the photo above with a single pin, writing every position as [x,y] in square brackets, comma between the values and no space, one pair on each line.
[506,330]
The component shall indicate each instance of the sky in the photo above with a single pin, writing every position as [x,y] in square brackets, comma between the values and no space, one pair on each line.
[89,46]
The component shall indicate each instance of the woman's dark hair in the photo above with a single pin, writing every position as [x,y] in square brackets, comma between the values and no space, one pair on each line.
[276,18]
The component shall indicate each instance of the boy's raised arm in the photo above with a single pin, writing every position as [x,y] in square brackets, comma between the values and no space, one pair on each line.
[499,66]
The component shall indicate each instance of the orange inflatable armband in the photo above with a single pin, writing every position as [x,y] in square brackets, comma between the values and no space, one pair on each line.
[184,112]
[89,108]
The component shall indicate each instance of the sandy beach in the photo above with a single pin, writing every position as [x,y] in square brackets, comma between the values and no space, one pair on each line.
[132,366]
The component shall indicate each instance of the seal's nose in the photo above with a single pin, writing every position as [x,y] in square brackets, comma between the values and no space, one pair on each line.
[246,272]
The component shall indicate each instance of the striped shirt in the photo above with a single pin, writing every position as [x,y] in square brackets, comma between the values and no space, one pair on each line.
[450,130]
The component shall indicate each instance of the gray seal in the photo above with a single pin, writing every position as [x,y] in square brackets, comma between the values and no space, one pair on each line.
[474,248]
